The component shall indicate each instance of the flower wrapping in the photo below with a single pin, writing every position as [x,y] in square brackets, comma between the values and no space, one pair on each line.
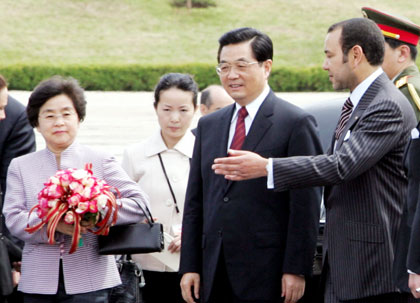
[75,196]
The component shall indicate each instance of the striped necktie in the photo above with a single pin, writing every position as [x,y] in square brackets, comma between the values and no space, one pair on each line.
[344,118]
[239,137]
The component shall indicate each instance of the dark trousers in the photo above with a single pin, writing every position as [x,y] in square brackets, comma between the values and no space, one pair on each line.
[222,289]
[99,296]
[161,287]
[330,296]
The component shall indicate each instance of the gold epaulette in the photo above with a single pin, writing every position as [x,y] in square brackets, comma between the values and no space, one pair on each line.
[401,82]
[413,92]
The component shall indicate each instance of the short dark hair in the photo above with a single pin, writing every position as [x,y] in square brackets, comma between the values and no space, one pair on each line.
[205,98]
[365,33]
[261,45]
[52,87]
[3,82]
[395,43]
[181,81]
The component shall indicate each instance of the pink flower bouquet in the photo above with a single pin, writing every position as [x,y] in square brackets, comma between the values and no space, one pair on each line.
[78,197]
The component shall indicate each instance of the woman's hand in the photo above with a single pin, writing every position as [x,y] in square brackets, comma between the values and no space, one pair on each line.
[68,229]
[175,245]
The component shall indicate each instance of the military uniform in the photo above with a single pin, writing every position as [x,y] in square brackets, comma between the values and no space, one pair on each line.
[405,31]
[408,82]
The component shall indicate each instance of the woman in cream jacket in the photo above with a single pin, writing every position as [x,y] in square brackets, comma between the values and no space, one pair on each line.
[161,165]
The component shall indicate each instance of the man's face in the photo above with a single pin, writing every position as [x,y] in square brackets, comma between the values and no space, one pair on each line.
[339,72]
[243,85]
[390,64]
[219,99]
[3,103]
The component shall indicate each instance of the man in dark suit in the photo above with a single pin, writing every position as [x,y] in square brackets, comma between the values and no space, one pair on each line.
[16,138]
[363,172]
[407,260]
[240,241]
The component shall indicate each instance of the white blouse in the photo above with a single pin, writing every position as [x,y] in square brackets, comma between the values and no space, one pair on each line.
[142,164]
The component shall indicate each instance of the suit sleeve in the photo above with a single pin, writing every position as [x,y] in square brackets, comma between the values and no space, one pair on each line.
[20,141]
[304,204]
[129,191]
[379,130]
[192,222]
[16,209]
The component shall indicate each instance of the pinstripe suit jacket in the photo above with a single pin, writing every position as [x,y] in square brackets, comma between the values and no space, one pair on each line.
[84,270]
[365,190]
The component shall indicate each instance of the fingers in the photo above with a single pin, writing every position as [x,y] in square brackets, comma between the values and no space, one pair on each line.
[175,245]
[189,282]
[197,288]
[293,287]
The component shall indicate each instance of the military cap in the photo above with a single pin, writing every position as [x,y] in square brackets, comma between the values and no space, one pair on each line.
[392,26]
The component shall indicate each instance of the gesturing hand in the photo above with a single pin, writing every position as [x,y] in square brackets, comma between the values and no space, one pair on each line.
[241,165]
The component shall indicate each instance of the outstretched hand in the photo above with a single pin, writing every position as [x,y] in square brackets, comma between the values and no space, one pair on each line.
[241,165]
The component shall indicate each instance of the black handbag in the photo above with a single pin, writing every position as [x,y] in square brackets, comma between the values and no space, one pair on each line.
[137,238]
[132,280]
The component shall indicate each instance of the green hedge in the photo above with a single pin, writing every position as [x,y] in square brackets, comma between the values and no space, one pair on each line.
[144,78]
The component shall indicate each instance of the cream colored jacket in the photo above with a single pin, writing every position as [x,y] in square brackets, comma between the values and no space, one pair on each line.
[142,164]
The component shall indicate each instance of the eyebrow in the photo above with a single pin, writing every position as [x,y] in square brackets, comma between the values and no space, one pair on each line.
[49,110]
[240,59]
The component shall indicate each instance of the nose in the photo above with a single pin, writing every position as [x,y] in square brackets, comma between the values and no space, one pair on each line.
[325,65]
[175,116]
[232,74]
[59,120]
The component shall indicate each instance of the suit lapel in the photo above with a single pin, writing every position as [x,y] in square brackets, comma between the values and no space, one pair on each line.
[222,136]
[261,123]
[259,127]
[364,102]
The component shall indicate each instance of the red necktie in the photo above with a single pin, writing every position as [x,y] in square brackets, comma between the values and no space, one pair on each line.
[345,116]
[239,137]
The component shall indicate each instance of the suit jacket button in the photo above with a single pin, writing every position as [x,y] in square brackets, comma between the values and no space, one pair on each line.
[226,199]
[220,233]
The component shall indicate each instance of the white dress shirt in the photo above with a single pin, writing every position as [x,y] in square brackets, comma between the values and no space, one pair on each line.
[252,109]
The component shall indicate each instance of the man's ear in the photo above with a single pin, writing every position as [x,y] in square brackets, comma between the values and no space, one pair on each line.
[203,109]
[267,67]
[404,53]
[356,55]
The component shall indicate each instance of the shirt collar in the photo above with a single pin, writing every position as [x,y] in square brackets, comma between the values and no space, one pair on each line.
[156,144]
[360,89]
[252,108]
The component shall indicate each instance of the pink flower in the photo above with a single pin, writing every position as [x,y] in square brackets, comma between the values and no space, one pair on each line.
[93,206]
[69,217]
[82,207]
[74,200]
[76,187]
[52,203]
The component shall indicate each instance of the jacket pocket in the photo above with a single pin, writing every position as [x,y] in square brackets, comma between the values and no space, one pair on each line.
[364,232]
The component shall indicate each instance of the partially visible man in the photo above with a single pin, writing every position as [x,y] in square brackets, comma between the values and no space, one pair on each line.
[401,39]
[363,175]
[213,98]
[240,241]
[16,135]
[16,138]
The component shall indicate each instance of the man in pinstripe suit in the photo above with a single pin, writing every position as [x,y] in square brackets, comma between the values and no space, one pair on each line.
[363,175]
